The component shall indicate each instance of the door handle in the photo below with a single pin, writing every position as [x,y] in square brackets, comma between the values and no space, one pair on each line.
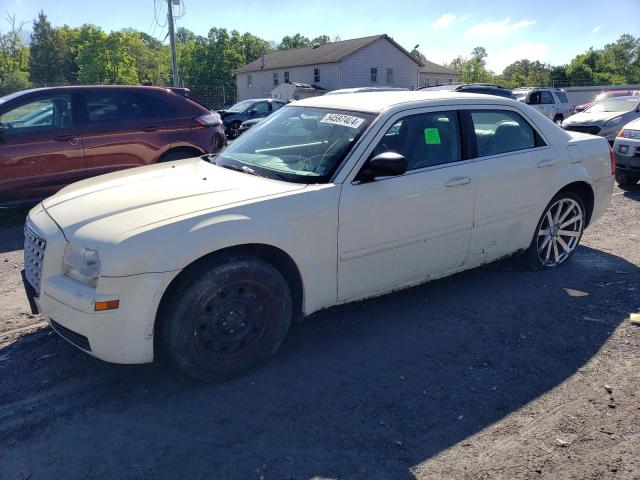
[456,182]
[64,138]
[154,128]
[547,162]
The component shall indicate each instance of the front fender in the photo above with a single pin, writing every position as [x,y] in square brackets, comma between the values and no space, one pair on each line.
[303,226]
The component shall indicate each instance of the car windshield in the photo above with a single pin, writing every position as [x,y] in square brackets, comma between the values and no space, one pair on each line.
[241,106]
[296,144]
[614,105]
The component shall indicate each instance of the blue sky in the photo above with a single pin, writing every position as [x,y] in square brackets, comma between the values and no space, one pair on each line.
[546,30]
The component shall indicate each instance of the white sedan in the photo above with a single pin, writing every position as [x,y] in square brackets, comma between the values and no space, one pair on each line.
[329,200]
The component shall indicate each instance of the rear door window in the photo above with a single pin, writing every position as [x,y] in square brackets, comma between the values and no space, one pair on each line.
[502,131]
[103,106]
[134,106]
[562,97]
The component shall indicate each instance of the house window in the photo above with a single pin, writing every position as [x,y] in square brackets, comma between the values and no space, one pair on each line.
[249,81]
[286,77]
[427,82]
[450,81]
[316,75]
[437,81]
[275,78]
[374,75]
[389,76]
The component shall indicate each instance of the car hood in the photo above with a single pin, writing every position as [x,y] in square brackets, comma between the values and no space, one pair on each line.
[592,117]
[102,207]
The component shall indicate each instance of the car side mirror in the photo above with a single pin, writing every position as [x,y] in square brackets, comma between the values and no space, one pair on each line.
[1,129]
[253,112]
[387,164]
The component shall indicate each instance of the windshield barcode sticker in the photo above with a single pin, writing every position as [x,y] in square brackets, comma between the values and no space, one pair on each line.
[344,120]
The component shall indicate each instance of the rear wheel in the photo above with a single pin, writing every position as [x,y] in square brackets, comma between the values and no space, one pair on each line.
[558,119]
[178,155]
[226,317]
[558,232]
[626,180]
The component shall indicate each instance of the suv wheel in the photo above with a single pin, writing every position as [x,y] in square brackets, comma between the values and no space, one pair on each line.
[226,317]
[626,180]
[558,119]
[558,232]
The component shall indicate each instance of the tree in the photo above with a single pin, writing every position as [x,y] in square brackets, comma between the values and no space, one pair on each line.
[418,55]
[297,41]
[14,57]
[320,40]
[473,69]
[525,72]
[47,58]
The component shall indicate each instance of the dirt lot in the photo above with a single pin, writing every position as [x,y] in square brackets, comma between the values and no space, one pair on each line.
[498,372]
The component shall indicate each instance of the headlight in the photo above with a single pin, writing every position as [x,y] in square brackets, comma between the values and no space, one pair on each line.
[629,133]
[612,122]
[81,264]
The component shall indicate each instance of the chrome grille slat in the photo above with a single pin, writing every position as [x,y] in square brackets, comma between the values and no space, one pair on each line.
[34,247]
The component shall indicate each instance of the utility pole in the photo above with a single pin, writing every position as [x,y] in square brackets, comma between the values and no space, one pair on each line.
[172,40]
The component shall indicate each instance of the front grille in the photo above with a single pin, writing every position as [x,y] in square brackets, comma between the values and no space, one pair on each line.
[72,337]
[34,247]
[592,129]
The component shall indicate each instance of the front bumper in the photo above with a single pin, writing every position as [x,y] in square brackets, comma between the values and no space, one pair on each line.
[627,152]
[123,335]
[593,129]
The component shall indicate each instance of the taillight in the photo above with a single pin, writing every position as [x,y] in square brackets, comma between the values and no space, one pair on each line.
[211,119]
[613,160]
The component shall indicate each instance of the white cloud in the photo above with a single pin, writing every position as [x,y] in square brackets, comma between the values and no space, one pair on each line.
[497,29]
[597,28]
[531,51]
[445,20]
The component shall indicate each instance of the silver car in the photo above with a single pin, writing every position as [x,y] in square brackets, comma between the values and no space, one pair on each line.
[605,118]
[627,151]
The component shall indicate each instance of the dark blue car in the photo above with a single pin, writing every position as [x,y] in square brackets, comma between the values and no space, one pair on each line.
[250,109]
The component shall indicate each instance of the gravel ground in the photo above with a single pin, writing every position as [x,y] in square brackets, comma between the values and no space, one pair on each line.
[499,372]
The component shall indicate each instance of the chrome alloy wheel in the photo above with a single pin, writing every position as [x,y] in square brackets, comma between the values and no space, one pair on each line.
[560,232]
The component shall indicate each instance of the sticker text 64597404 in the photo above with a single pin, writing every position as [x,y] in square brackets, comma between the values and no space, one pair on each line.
[341,119]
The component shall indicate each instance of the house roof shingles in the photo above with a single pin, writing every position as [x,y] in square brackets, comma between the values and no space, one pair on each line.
[325,53]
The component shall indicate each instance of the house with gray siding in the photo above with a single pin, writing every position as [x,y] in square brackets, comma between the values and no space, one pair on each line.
[433,74]
[360,62]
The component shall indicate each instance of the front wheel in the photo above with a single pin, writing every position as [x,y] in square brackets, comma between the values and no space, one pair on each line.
[234,130]
[226,317]
[558,232]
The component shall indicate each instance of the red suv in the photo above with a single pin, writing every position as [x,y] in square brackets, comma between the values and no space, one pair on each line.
[51,137]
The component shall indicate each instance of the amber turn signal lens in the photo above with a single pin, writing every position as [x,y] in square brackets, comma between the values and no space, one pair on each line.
[108,305]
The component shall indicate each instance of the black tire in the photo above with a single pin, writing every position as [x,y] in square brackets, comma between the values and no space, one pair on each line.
[558,119]
[177,155]
[226,317]
[534,254]
[626,180]
[234,130]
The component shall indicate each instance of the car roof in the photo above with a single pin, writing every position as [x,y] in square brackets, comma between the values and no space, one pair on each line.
[375,102]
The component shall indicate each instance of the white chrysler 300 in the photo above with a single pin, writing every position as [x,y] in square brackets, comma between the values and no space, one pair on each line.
[329,200]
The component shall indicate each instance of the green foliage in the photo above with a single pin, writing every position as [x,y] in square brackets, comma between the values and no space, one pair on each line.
[418,54]
[473,69]
[296,41]
[48,52]
[14,55]
[526,72]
